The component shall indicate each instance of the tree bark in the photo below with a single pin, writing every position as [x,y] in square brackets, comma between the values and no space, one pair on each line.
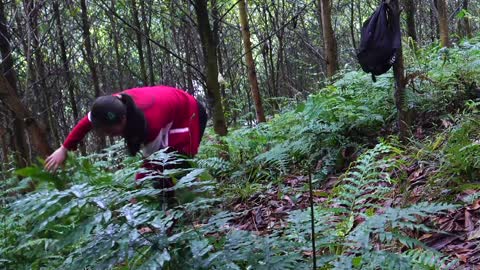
[399,74]
[410,12]
[24,116]
[19,138]
[210,58]
[433,25]
[138,29]
[88,48]
[146,28]
[4,137]
[189,56]
[442,16]
[329,38]
[352,25]
[252,74]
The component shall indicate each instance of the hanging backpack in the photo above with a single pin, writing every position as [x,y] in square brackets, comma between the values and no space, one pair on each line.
[380,41]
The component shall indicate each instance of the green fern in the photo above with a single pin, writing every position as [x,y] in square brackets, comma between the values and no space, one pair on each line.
[367,181]
[376,242]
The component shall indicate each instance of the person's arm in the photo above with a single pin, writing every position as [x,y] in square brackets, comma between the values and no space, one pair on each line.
[77,134]
[71,142]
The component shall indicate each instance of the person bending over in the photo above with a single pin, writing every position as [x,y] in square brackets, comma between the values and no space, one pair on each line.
[149,119]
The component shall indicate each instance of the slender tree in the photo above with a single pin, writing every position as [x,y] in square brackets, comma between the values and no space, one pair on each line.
[328,37]
[146,23]
[88,48]
[442,17]
[211,64]
[466,21]
[252,74]
[5,145]
[403,122]
[352,25]
[116,47]
[410,11]
[139,43]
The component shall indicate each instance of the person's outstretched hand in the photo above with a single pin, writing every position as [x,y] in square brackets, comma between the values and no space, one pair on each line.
[56,159]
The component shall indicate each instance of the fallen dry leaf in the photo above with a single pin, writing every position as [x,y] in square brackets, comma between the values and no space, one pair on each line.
[475,205]
[462,257]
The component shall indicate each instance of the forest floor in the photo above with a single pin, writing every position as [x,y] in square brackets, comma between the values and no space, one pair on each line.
[456,234]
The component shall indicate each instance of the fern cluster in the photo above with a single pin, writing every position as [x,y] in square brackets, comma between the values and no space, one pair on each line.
[329,121]
[355,231]
[96,225]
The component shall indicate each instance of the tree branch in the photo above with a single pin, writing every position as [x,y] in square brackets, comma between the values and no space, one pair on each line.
[112,12]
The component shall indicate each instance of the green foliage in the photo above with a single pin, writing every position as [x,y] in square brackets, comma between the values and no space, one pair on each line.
[338,116]
[377,241]
[95,225]
[445,77]
[454,154]
[350,114]
[462,149]
[368,182]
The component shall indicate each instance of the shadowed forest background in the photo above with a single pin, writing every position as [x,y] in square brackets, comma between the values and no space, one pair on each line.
[391,167]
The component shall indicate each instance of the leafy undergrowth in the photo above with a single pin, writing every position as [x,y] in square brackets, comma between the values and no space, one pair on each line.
[378,204]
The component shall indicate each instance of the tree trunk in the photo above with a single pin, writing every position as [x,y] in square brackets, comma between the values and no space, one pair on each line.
[24,116]
[19,138]
[442,16]
[88,48]
[433,25]
[410,12]
[352,25]
[252,74]
[210,59]
[4,161]
[466,21]
[329,38]
[146,28]
[188,54]
[216,38]
[273,72]
[280,63]
[138,29]
[116,47]
[399,74]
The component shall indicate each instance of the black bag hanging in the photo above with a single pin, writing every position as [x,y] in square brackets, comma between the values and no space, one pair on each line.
[380,41]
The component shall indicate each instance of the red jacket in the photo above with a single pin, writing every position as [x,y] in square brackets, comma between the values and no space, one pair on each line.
[172,119]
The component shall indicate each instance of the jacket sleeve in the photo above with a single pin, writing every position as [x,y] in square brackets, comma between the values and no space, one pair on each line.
[78,133]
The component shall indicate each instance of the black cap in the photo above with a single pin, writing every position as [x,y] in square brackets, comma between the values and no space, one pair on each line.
[107,111]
